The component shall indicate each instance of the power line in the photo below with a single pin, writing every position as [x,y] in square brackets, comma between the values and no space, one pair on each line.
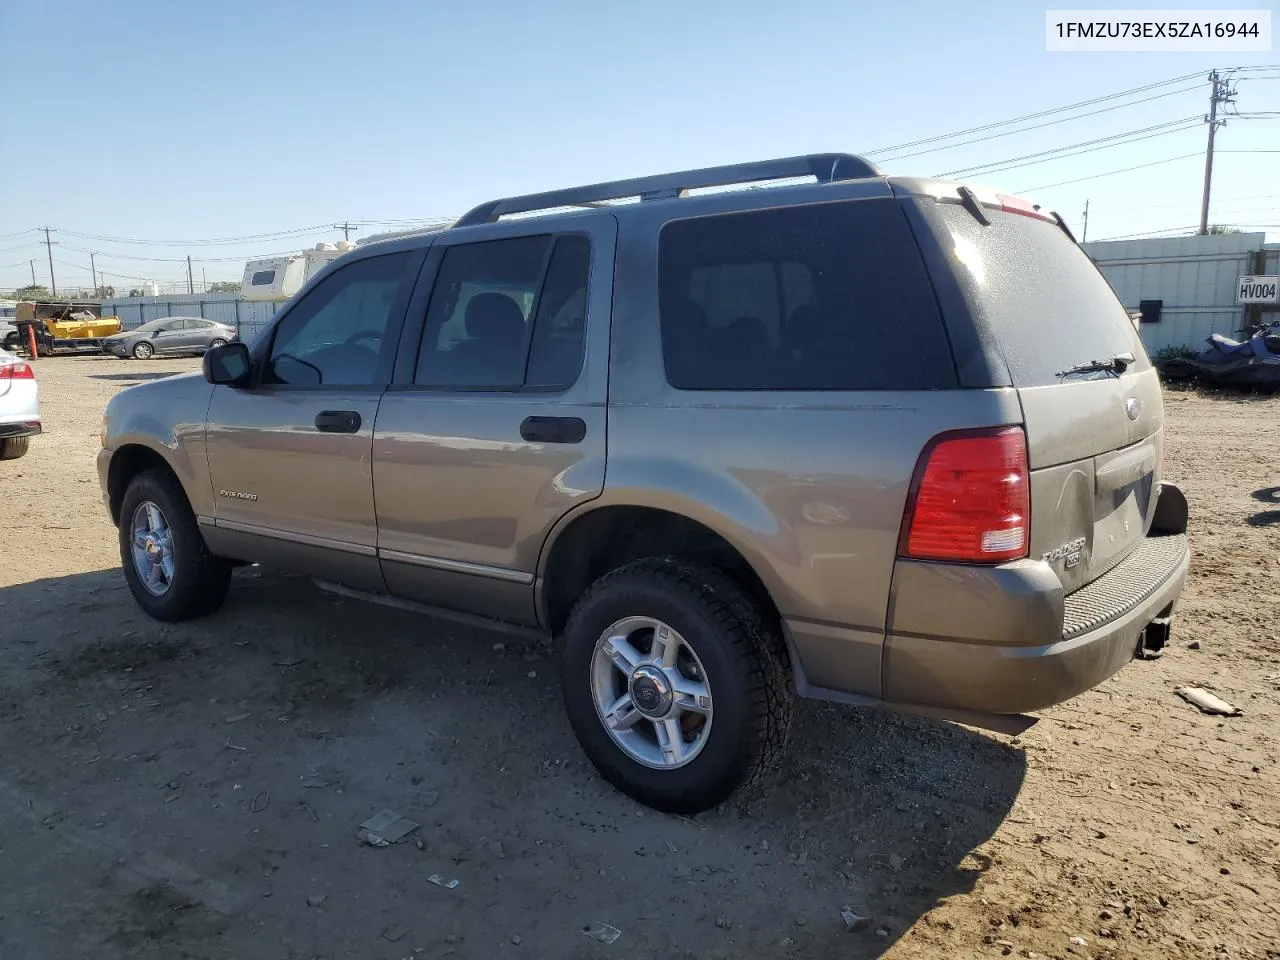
[1038,126]
[1033,116]
[214,241]
[1109,173]
[1087,146]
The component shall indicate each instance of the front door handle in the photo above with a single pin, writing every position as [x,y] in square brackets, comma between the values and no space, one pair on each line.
[553,429]
[337,421]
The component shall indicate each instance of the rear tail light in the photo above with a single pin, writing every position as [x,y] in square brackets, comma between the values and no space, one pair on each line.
[970,500]
[17,371]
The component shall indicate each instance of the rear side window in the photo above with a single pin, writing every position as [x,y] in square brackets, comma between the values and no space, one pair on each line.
[1041,297]
[262,278]
[819,297]
[507,315]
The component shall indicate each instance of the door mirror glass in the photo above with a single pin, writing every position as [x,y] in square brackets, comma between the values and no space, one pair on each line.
[228,365]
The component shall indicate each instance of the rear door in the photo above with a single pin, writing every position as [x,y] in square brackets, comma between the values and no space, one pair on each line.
[495,426]
[1093,437]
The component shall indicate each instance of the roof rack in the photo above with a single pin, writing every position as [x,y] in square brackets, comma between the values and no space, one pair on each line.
[824,167]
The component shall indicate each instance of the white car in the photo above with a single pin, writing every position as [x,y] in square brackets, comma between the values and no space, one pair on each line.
[19,406]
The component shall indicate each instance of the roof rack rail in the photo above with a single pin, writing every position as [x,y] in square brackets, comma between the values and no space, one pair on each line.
[824,167]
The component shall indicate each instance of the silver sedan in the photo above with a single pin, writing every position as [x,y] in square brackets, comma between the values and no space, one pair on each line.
[169,335]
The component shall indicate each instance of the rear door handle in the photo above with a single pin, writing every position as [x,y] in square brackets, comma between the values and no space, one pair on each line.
[337,421]
[553,429]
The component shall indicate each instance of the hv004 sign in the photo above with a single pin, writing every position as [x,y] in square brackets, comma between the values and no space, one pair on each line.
[1257,290]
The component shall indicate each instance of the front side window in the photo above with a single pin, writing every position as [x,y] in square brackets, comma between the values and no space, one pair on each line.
[338,332]
[507,315]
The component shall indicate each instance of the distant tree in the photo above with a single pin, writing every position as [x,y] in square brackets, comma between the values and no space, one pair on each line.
[224,286]
[1218,230]
[36,291]
[105,293]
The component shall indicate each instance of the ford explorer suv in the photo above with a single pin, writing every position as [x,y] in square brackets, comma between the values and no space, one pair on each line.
[870,439]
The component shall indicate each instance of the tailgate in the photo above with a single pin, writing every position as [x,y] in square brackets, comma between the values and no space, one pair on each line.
[1095,450]
[1094,435]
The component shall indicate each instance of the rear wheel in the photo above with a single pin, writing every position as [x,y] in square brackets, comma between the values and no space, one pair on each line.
[674,684]
[168,568]
[143,350]
[11,448]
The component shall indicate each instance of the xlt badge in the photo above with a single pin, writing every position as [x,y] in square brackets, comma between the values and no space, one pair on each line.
[237,495]
[1069,552]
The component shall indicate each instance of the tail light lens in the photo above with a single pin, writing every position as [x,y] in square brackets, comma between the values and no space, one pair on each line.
[16,371]
[970,500]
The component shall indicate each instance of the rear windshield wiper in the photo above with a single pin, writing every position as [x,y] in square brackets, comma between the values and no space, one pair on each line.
[1117,364]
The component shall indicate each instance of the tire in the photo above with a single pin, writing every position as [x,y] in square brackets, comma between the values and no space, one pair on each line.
[215,344]
[739,654]
[196,582]
[11,448]
[13,342]
[142,350]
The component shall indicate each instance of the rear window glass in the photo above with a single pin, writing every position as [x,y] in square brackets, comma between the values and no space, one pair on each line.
[816,297]
[262,278]
[1040,295]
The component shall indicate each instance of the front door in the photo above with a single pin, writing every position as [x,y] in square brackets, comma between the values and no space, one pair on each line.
[289,456]
[495,426]
[172,337]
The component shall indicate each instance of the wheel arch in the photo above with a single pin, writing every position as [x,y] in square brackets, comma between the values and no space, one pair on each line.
[605,535]
[127,462]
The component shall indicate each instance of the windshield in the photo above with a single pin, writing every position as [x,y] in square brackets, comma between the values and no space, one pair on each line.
[1046,304]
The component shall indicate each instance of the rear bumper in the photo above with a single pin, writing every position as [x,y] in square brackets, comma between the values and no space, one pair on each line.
[1023,666]
[23,428]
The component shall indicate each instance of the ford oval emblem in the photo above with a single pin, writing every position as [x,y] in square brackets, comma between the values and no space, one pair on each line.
[1133,408]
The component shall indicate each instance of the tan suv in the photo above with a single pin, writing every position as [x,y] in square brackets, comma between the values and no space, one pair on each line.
[877,440]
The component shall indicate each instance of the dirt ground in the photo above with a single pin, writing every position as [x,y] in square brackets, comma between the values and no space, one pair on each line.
[196,790]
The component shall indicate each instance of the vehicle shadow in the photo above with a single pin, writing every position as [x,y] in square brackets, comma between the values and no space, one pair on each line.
[247,748]
[1267,494]
[139,375]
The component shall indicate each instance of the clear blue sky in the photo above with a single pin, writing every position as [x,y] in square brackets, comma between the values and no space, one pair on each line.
[192,121]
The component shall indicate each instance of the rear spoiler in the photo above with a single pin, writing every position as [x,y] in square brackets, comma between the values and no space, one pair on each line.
[975,200]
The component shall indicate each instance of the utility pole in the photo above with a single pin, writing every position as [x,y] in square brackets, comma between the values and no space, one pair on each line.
[48,244]
[33,273]
[346,229]
[191,287]
[93,268]
[204,282]
[1221,92]
[1085,234]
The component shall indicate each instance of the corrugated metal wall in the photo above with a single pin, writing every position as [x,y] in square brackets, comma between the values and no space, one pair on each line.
[248,317]
[1194,276]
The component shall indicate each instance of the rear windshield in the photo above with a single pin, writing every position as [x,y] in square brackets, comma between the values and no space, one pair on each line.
[817,297]
[1042,298]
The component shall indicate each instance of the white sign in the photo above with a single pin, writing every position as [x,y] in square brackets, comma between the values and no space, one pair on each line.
[1258,290]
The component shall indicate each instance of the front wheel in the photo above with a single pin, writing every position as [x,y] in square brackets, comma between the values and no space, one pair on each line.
[674,684]
[215,344]
[166,563]
[143,350]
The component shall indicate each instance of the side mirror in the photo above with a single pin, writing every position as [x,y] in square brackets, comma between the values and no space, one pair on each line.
[228,365]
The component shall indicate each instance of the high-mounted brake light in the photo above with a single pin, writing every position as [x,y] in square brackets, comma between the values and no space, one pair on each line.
[16,371]
[970,500]
[1026,208]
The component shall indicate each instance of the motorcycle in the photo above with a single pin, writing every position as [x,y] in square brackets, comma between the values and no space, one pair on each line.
[1252,362]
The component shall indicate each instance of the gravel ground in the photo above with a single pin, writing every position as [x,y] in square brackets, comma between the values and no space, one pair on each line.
[196,790]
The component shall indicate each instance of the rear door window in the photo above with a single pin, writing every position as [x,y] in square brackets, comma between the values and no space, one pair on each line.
[817,297]
[1041,297]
